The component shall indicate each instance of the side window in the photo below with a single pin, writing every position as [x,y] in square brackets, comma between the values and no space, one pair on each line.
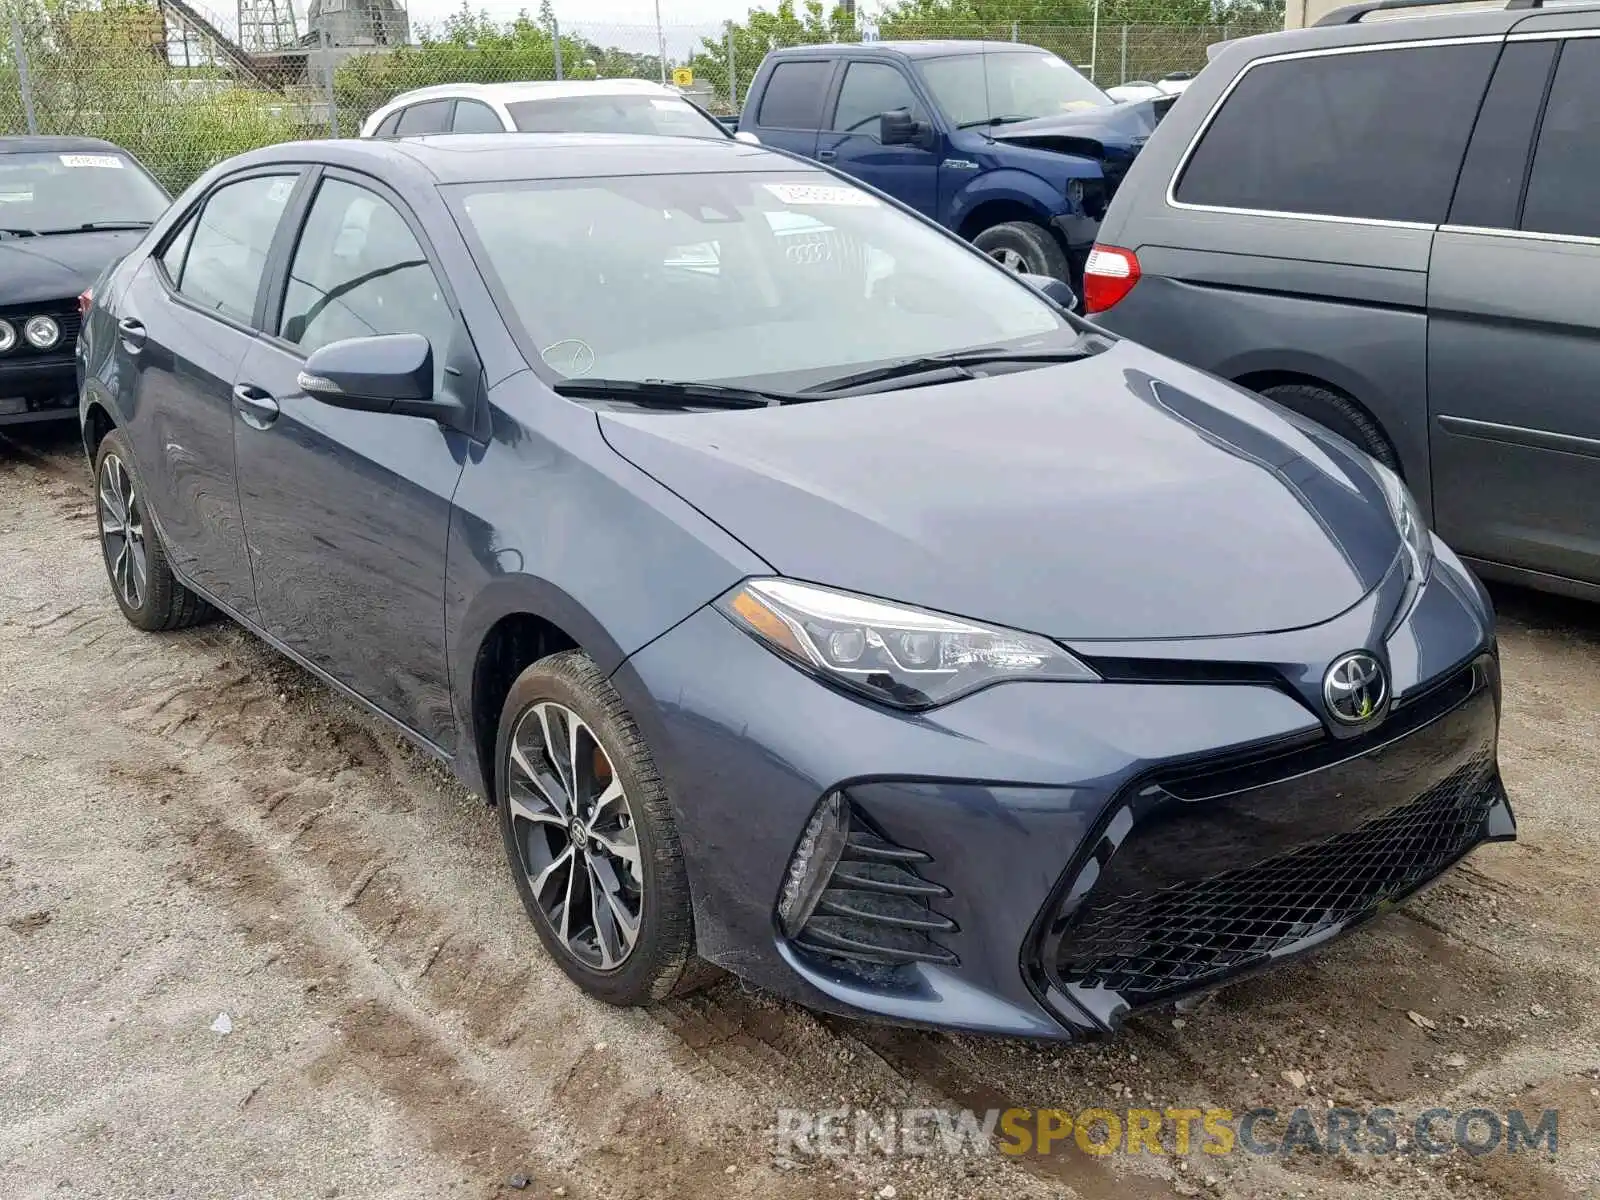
[870,90]
[1376,135]
[474,117]
[1565,181]
[228,249]
[1497,158]
[431,116]
[357,271]
[172,256]
[793,99]
[391,123]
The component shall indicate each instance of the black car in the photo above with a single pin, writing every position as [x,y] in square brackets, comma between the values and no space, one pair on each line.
[69,208]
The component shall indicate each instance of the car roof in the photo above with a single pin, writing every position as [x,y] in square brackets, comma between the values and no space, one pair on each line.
[484,157]
[1411,21]
[541,89]
[56,145]
[914,49]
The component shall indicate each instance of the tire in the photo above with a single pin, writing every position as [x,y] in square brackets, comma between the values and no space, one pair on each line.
[1025,247]
[142,582]
[535,826]
[1338,413]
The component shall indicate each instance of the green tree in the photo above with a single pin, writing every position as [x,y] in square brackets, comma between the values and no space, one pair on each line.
[762,31]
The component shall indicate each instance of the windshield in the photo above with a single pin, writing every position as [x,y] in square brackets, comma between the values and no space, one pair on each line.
[974,89]
[47,193]
[780,279]
[658,115]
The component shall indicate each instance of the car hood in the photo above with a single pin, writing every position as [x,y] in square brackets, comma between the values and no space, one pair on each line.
[1118,130]
[60,266]
[1092,500]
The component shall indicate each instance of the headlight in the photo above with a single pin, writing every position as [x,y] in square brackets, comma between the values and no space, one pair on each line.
[41,332]
[906,657]
[8,336]
[1408,520]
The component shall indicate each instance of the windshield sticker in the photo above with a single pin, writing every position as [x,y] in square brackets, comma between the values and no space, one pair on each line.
[811,193]
[92,160]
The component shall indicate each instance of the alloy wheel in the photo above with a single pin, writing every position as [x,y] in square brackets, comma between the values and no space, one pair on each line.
[122,533]
[1010,259]
[575,835]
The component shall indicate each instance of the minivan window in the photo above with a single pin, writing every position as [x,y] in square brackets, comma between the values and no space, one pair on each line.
[869,90]
[1497,158]
[431,116]
[712,277]
[1007,85]
[793,99]
[1564,187]
[1376,135]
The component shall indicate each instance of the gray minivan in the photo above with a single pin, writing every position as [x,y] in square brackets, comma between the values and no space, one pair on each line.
[1390,223]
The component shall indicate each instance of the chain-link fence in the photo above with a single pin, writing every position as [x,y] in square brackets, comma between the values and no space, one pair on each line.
[183,87]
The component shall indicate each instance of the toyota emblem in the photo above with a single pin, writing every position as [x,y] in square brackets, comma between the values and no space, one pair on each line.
[1356,689]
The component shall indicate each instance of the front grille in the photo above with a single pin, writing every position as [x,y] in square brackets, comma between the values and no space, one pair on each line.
[877,909]
[1202,872]
[1147,944]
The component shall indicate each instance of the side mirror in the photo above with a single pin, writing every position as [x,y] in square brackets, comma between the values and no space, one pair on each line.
[390,373]
[744,135]
[1057,291]
[899,128]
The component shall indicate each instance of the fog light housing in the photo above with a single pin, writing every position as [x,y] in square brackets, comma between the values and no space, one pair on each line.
[8,336]
[41,332]
[811,867]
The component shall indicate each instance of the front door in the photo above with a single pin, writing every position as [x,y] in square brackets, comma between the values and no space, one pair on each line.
[186,325]
[908,173]
[1514,329]
[346,514]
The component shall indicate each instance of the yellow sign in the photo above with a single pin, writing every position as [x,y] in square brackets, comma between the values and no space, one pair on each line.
[682,77]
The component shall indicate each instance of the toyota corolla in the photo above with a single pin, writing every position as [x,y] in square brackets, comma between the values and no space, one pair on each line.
[808,594]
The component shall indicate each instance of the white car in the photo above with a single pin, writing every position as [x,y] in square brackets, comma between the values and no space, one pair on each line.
[572,106]
[1143,89]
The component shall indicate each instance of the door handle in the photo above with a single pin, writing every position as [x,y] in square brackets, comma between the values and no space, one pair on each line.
[133,334]
[827,155]
[255,405]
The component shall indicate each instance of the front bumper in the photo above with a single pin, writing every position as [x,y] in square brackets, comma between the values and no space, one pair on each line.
[1032,861]
[38,388]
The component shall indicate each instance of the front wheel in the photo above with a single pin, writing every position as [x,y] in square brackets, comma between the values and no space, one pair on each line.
[1025,248]
[589,833]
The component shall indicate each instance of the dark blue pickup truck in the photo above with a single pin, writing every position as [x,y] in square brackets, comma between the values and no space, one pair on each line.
[1005,144]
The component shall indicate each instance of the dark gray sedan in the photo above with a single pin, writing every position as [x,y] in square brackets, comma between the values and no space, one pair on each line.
[808,593]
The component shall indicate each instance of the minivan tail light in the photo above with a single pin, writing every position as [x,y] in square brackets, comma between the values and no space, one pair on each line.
[1108,276]
[84,300]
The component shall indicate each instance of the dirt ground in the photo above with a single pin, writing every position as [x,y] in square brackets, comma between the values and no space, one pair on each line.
[191,826]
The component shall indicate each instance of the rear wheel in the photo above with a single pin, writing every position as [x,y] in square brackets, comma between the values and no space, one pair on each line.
[145,588]
[1339,413]
[589,833]
[1023,247]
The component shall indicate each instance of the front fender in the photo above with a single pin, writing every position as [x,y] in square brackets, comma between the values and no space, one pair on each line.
[1009,185]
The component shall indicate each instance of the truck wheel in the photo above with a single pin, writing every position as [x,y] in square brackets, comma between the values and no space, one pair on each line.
[1023,247]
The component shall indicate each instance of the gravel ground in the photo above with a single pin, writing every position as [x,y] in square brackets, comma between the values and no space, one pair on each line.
[191,826]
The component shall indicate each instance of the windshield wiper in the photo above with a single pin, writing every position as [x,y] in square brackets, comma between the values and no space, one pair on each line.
[957,362]
[20,232]
[94,226]
[666,393]
[988,122]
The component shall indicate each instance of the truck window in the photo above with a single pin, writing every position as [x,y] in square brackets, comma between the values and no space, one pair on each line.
[869,90]
[1376,135]
[793,99]
[1566,166]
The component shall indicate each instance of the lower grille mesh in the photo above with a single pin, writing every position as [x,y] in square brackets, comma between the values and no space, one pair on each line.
[1144,945]
[878,908]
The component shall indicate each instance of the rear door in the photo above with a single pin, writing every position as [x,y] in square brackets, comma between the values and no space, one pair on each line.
[346,513]
[868,90]
[1514,333]
[186,324]
[789,108]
